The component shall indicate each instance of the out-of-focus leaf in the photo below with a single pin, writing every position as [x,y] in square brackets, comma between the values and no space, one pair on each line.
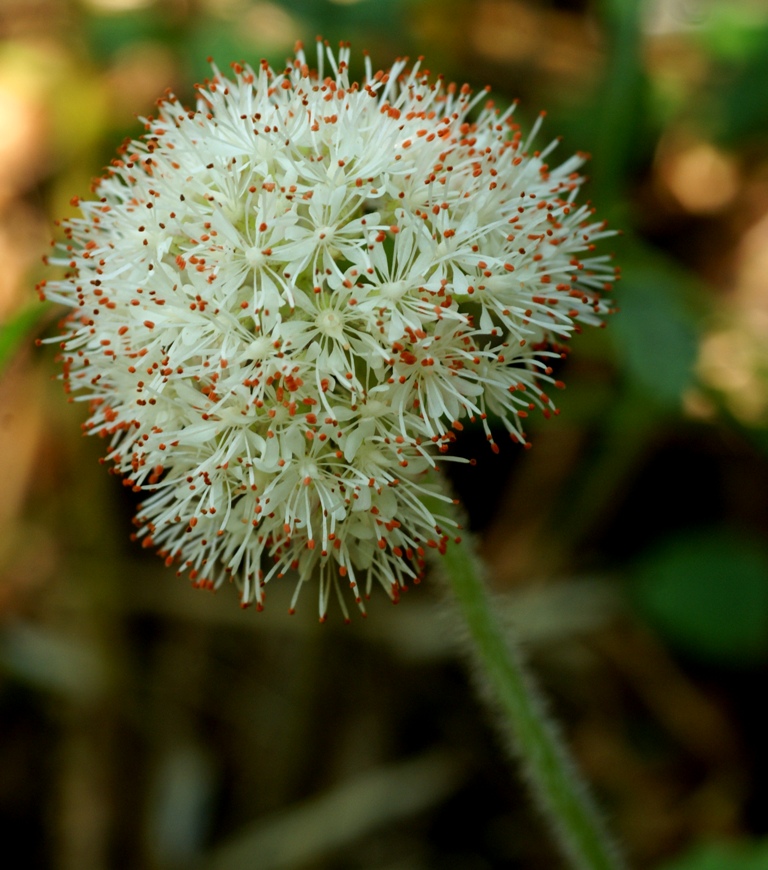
[333,17]
[723,856]
[315,827]
[226,45]
[708,595]
[52,662]
[741,98]
[732,31]
[655,334]
[15,331]
[110,33]
[180,808]
[616,112]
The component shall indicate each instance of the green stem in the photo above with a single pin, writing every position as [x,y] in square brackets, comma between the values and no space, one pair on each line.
[536,741]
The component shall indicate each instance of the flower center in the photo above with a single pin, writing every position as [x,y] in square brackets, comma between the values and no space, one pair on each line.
[393,289]
[372,408]
[325,234]
[234,212]
[255,258]
[445,248]
[259,349]
[330,323]
[369,455]
[309,470]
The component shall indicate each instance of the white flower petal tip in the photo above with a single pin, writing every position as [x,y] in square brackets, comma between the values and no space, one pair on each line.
[285,301]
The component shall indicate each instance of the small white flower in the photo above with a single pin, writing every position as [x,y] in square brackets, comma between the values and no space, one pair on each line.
[285,301]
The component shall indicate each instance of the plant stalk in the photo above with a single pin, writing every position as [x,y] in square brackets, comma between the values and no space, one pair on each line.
[534,738]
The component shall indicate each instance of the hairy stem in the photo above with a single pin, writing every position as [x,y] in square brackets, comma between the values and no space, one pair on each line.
[523,720]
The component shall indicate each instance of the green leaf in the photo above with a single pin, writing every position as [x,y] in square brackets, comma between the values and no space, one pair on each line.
[655,334]
[707,594]
[741,103]
[109,33]
[723,856]
[17,329]
[619,110]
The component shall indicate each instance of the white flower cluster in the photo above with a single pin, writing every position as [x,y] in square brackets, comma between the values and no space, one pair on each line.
[286,300]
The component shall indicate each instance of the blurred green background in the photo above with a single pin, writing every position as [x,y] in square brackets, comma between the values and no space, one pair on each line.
[147,725]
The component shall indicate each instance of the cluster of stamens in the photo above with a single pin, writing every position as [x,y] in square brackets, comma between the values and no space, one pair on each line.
[286,302]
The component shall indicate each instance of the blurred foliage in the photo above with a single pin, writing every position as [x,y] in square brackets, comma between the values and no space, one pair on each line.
[143,725]
[723,857]
[15,331]
[656,336]
[707,591]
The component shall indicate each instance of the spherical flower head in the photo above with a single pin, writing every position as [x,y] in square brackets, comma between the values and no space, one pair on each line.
[286,300]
